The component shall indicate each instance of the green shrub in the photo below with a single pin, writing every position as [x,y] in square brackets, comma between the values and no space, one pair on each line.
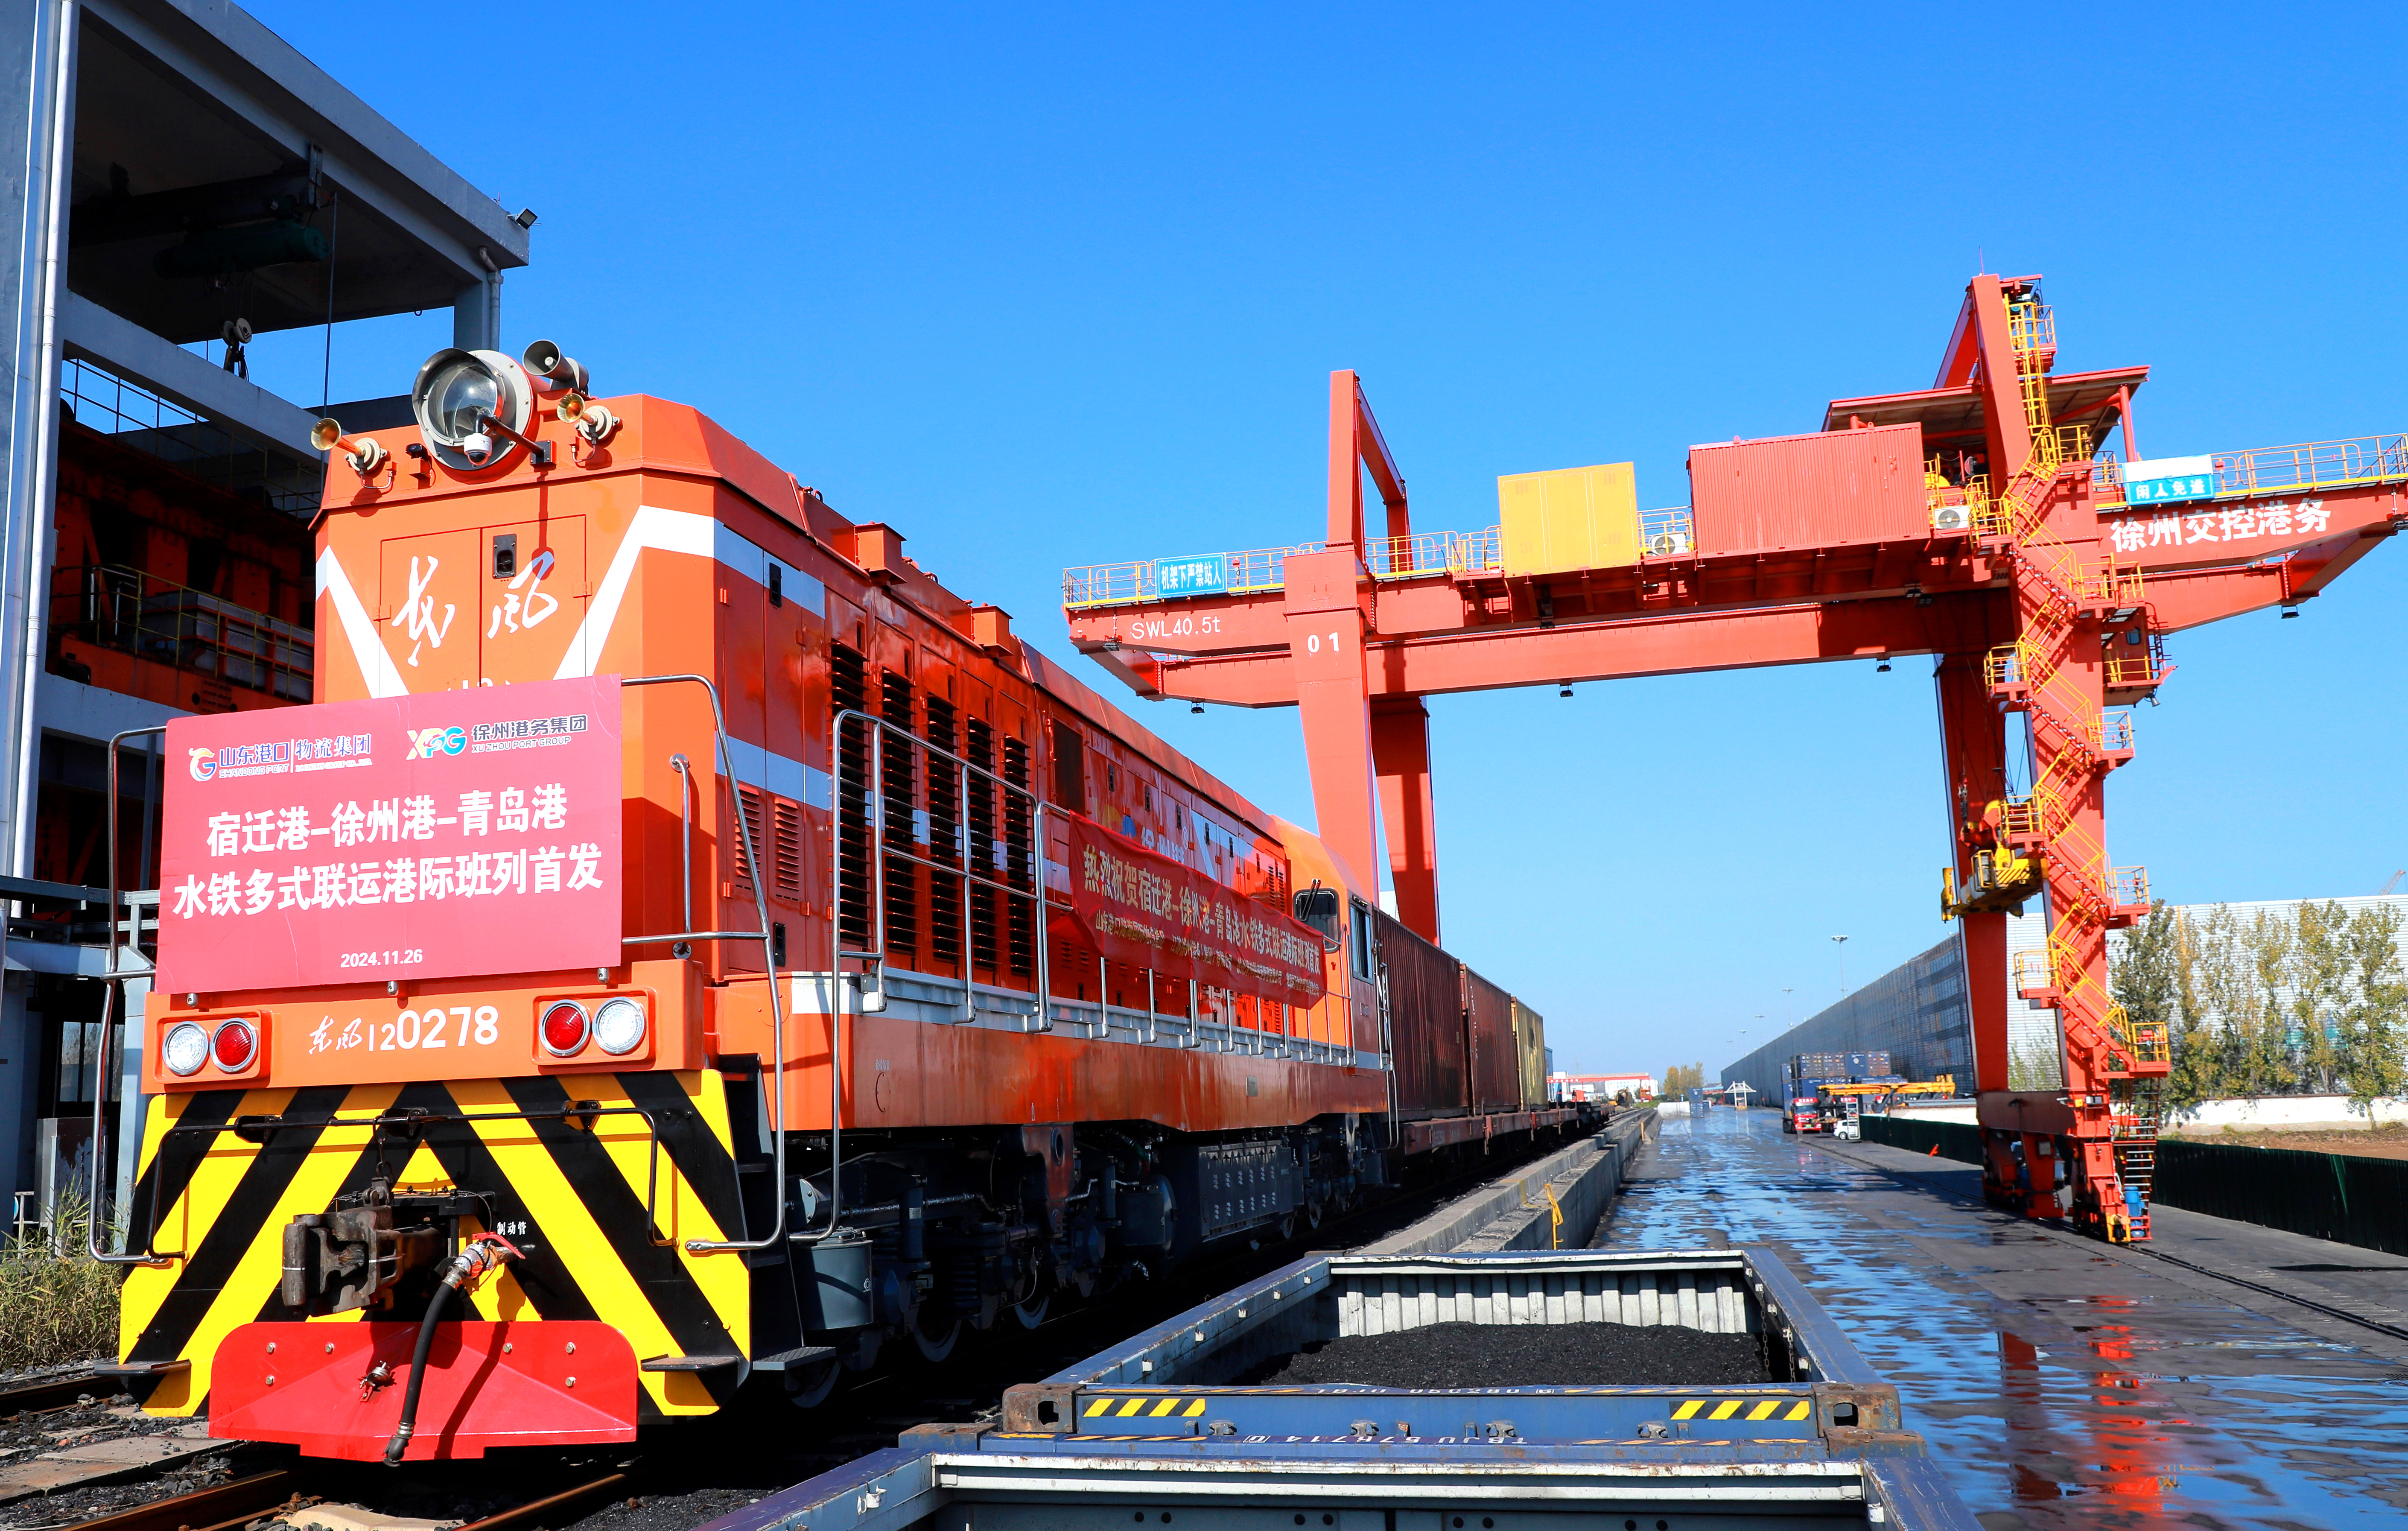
[56,1308]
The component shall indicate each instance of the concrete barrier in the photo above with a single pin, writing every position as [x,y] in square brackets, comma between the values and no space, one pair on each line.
[1516,1214]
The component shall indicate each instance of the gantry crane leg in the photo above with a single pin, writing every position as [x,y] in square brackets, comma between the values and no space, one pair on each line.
[1326,627]
[1401,754]
[1973,746]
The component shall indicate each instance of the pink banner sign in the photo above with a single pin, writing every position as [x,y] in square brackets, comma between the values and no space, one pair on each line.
[453,833]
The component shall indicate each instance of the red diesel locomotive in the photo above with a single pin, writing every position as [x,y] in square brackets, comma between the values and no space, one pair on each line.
[683,940]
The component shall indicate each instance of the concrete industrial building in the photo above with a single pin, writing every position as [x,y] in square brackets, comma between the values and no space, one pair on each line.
[190,178]
[1917,1010]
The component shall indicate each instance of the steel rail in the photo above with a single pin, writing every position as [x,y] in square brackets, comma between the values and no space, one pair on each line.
[225,1507]
[230,1507]
[547,1510]
[53,1392]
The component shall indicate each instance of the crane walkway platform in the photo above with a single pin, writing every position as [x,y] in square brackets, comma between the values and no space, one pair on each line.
[2227,1375]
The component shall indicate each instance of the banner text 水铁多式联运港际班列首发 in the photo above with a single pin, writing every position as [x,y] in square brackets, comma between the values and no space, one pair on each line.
[441,836]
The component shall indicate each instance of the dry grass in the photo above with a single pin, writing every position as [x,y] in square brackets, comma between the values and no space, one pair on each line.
[54,1308]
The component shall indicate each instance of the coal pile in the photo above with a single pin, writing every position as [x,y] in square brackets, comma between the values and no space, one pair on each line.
[1453,1356]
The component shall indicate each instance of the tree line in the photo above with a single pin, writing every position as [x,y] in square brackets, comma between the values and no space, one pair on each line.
[2307,1000]
[1681,1078]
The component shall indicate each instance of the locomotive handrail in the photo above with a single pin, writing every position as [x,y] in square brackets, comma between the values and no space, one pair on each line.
[768,938]
[571,1112]
[684,769]
[876,824]
[879,850]
[112,999]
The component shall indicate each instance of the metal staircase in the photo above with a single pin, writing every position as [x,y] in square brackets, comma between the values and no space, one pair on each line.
[2053,674]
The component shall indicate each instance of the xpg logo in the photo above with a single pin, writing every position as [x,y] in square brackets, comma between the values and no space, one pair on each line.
[204,763]
[426,743]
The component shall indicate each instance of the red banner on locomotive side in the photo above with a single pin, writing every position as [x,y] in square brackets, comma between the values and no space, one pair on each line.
[1147,911]
[440,835]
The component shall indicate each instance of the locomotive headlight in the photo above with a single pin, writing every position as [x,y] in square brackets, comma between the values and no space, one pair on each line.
[563,1029]
[458,392]
[233,1044]
[186,1050]
[619,1025]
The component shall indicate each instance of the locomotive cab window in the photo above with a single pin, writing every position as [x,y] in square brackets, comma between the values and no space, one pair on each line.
[1318,907]
[1361,944]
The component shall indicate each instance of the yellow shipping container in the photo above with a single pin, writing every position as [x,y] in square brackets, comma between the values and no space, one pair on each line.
[1530,1038]
[1585,518]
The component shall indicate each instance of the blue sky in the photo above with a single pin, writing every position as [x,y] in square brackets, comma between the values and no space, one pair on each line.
[1044,286]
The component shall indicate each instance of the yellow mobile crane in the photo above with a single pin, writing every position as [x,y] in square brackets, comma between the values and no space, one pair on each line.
[1852,1100]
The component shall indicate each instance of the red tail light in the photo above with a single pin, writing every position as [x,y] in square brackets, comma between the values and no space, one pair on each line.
[233,1046]
[564,1027]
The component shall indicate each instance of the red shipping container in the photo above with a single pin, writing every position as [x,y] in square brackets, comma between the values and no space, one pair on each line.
[1425,1022]
[1496,1060]
[1828,490]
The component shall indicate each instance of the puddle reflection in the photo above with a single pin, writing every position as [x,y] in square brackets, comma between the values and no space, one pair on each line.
[2058,1389]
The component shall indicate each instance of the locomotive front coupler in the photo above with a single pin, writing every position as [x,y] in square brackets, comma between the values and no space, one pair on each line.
[370,1243]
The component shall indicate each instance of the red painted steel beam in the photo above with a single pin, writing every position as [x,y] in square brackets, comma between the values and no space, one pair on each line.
[2195,598]
[1409,814]
[1957,357]
[2009,435]
[2170,545]
[1356,444]
[1325,671]
[1477,660]
[1973,756]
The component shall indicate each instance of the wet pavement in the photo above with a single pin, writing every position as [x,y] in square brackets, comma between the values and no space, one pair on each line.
[2061,1382]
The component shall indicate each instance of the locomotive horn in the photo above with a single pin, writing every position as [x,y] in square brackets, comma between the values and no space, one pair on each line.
[365,452]
[551,371]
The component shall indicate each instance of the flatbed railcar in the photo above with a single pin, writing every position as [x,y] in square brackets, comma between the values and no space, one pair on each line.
[932,990]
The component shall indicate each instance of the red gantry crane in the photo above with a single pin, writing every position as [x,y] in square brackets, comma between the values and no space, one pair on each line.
[1972,521]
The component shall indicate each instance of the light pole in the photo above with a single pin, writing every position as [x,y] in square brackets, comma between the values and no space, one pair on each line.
[1788,990]
[1842,942]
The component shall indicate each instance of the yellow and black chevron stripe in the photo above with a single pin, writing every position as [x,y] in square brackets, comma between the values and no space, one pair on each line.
[1153,1406]
[223,1199]
[1783,1410]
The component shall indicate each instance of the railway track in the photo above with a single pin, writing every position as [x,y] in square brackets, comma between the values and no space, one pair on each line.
[231,1506]
[53,1393]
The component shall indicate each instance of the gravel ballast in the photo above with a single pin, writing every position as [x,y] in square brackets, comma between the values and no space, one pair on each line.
[1454,1355]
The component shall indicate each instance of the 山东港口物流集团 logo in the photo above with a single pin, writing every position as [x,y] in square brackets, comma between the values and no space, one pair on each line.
[205,765]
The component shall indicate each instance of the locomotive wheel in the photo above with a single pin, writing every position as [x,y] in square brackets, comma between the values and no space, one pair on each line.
[934,1338]
[1313,1214]
[1032,1312]
[810,1389]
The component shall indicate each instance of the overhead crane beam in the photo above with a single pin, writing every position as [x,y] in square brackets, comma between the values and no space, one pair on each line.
[2042,584]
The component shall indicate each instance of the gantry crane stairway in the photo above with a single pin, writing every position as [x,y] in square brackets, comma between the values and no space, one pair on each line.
[1972,521]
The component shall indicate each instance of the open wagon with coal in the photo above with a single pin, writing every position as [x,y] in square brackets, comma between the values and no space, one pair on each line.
[1685,1389]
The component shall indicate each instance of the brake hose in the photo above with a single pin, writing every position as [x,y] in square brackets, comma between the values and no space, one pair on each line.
[486,1252]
